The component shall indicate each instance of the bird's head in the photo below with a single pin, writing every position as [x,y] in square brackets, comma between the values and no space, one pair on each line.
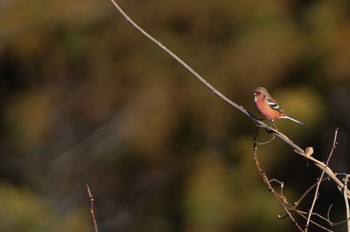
[260,93]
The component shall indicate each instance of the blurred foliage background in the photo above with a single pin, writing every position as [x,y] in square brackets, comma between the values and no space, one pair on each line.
[86,99]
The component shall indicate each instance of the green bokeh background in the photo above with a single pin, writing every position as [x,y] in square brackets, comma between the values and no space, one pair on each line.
[86,99]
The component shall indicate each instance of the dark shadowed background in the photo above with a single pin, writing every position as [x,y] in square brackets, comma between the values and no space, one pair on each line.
[86,99]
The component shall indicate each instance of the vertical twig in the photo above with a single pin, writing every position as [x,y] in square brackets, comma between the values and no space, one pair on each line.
[346,179]
[320,180]
[91,209]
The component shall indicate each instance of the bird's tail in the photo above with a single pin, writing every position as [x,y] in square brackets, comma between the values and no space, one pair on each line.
[294,120]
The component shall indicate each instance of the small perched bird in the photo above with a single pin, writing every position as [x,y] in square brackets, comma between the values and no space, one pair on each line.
[268,107]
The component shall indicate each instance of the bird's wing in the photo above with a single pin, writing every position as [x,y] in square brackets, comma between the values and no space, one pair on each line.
[273,104]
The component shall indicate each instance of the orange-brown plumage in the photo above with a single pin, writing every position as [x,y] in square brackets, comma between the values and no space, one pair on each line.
[268,107]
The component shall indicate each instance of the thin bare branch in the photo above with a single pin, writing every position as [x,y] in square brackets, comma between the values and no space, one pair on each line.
[183,63]
[346,179]
[329,218]
[303,213]
[296,204]
[320,180]
[91,209]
